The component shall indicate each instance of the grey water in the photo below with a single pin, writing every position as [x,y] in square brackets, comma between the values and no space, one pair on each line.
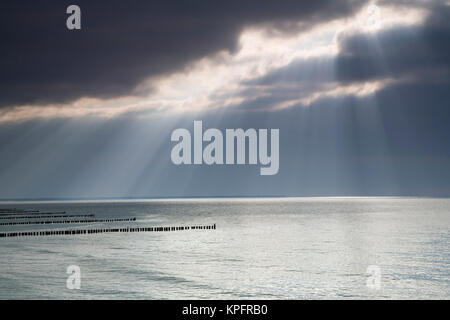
[284,248]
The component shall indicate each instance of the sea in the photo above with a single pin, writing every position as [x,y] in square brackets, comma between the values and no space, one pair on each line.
[262,248]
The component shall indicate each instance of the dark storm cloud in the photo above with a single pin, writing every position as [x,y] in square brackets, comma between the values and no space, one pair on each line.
[413,54]
[123,42]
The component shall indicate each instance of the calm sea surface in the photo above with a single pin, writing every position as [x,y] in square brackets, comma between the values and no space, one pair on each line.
[313,248]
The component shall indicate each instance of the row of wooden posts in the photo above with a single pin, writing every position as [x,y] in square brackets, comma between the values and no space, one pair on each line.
[49,216]
[14,214]
[109,230]
[66,221]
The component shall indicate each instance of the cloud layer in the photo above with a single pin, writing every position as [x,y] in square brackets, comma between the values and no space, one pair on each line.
[123,43]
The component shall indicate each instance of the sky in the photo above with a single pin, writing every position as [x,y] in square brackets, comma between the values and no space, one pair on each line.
[359,91]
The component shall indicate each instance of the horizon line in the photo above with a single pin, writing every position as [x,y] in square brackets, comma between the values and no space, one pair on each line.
[158,198]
